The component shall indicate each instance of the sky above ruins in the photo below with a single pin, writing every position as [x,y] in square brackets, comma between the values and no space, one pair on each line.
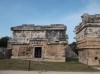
[45,12]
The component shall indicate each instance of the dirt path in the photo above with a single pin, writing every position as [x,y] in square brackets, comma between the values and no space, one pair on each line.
[48,72]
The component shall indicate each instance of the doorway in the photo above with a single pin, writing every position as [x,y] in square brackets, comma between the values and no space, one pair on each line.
[38,52]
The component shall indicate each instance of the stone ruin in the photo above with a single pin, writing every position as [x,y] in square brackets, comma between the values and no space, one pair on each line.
[39,43]
[88,39]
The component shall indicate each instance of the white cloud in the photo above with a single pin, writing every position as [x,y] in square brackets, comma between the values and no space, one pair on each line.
[74,19]
[93,7]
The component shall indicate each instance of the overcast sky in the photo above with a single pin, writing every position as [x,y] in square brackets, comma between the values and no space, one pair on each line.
[45,12]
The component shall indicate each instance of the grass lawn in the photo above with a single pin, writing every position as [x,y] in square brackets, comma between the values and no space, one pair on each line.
[70,65]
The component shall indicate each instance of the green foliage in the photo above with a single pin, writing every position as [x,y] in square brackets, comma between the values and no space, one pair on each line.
[73,46]
[4,41]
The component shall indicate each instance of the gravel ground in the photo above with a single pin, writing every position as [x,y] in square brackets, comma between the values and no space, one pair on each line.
[43,72]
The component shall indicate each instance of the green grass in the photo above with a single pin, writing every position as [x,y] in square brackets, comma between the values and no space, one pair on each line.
[70,65]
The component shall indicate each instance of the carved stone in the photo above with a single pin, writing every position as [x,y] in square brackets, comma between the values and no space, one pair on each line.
[88,39]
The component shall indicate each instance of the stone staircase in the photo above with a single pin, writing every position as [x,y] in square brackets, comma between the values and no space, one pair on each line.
[69,52]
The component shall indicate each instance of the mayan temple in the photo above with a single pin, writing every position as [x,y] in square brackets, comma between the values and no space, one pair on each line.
[39,43]
[88,39]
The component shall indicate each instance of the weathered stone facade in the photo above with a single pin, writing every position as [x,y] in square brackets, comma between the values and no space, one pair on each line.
[39,43]
[88,39]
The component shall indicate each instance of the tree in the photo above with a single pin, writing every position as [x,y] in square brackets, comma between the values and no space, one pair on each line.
[73,46]
[4,41]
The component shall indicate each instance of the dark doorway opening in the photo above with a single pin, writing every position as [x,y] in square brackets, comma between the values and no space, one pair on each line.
[38,52]
[96,58]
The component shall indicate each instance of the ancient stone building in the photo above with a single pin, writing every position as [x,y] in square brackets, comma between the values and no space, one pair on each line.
[88,39]
[39,43]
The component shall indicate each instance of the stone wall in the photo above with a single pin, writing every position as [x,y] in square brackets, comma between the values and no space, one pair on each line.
[89,56]
[50,52]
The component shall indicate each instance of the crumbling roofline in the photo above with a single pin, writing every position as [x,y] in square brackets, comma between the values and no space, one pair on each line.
[81,28]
